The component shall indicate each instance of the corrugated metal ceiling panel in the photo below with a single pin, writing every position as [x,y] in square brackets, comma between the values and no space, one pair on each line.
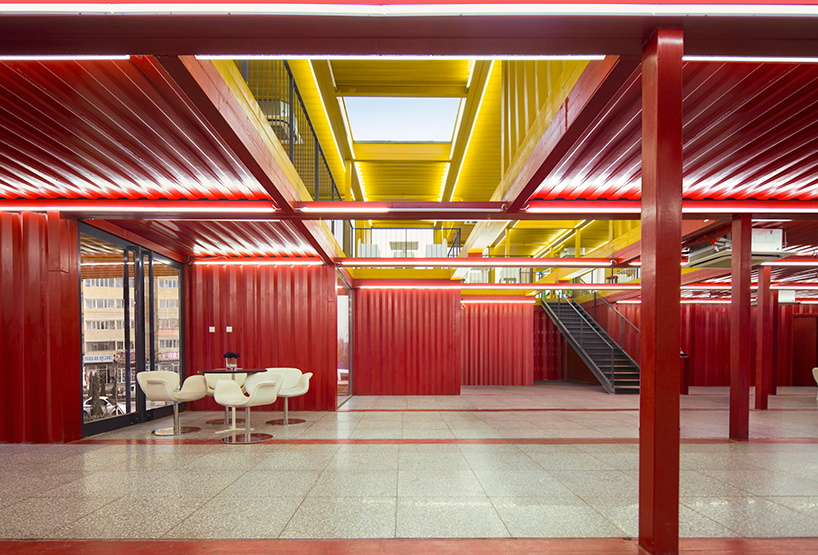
[750,132]
[109,129]
[224,238]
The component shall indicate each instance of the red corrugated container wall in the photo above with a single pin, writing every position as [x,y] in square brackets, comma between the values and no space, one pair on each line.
[497,344]
[406,342]
[40,323]
[280,315]
[706,338]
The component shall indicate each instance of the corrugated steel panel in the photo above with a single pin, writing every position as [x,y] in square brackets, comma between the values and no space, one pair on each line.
[110,129]
[706,338]
[553,346]
[40,339]
[223,238]
[406,342]
[497,344]
[749,133]
[281,316]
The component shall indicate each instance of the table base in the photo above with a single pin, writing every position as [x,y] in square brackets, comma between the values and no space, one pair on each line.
[280,421]
[171,432]
[243,439]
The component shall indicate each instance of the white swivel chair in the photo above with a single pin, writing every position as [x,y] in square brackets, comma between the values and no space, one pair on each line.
[262,389]
[294,384]
[815,375]
[211,380]
[161,385]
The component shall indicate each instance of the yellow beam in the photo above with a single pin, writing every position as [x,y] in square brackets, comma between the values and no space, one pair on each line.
[427,152]
[480,77]
[326,86]
[402,90]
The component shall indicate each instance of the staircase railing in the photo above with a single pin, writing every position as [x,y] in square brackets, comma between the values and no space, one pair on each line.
[585,336]
[622,321]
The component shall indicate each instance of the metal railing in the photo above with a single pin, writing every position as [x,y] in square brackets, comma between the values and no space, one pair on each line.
[392,242]
[586,333]
[274,88]
[629,334]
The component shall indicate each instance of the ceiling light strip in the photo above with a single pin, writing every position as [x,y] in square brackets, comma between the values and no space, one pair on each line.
[150,206]
[273,261]
[64,57]
[405,57]
[494,301]
[476,262]
[752,59]
[416,10]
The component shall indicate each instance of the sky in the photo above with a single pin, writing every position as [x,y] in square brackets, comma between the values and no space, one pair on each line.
[400,119]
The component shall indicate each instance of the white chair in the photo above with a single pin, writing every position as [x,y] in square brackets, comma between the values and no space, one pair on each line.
[211,380]
[815,375]
[437,250]
[262,389]
[161,385]
[368,250]
[294,384]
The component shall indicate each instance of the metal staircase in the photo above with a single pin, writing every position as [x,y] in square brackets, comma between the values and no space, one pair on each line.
[613,367]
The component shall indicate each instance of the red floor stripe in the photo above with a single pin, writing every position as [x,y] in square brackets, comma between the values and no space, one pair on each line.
[493,410]
[548,546]
[562,410]
[462,441]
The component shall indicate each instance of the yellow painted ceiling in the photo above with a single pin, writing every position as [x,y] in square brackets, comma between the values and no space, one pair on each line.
[482,168]
[417,171]
[402,180]
[401,77]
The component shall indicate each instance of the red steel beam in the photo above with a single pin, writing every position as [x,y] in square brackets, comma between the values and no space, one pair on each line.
[692,210]
[661,280]
[740,331]
[764,339]
[202,84]
[473,262]
[595,88]
[205,87]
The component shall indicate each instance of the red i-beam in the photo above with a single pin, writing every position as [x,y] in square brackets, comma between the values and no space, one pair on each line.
[661,280]
[764,339]
[740,332]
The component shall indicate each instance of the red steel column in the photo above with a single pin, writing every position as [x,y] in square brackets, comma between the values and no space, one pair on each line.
[775,328]
[764,339]
[740,331]
[661,280]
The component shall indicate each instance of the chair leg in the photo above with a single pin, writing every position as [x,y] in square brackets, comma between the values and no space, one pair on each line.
[286,420]
[177,429]
[247,436]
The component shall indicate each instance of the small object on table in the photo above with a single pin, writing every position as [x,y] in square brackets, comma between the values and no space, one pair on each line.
[231,360]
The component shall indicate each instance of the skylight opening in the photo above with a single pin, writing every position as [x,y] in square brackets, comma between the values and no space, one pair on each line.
[402,119]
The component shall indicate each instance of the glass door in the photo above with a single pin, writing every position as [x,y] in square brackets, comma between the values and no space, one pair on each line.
[344,355]
[130,321]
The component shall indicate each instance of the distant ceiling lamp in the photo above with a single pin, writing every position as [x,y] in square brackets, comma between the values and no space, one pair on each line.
[808,262]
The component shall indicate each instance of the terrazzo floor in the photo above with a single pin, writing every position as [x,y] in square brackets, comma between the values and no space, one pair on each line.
[550,461]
